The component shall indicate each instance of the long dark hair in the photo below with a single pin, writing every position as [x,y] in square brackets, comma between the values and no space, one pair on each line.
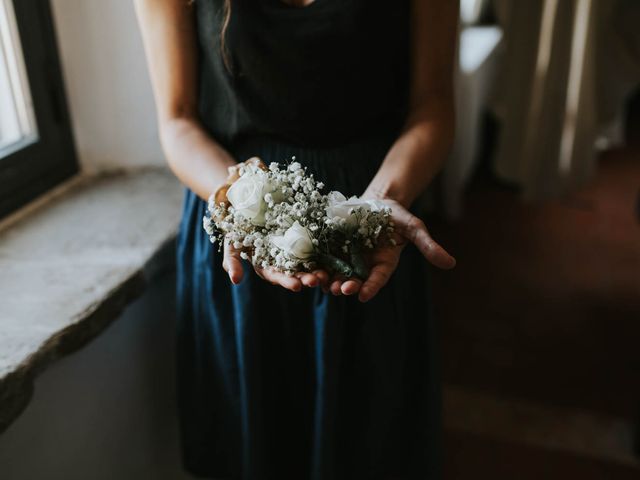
[223,33]
[226,17]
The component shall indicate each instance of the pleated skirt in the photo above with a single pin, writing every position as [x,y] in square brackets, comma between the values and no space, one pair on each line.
[274,384]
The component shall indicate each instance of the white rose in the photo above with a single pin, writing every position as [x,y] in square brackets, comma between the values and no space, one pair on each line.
[246,195]
[338,206]
[295,242]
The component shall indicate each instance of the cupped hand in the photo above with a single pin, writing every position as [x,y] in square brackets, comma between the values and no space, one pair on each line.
[384,259]
[232,263]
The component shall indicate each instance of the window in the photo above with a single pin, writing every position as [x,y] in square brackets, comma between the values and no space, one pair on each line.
[474,12]
[36,145]
[16,112]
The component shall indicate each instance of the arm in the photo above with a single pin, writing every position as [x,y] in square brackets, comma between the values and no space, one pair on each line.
[418,153]
[169,37]
[168,34]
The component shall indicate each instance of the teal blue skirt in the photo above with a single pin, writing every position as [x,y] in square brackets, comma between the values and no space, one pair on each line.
[274,384]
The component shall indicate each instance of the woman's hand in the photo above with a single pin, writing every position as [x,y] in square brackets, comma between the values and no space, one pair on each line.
[384,259]
[232,263]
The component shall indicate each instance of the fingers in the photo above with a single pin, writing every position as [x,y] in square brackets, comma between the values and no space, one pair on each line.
[336,286]
[294,282]
[232,263]
[378,278]
[323,278]
[278,278]
[351,286]
[345,286]
[417,232]
[414,229]
[307,279]
[432,251]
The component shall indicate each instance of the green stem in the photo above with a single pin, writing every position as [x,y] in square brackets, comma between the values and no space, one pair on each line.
[335,264]
[360,267]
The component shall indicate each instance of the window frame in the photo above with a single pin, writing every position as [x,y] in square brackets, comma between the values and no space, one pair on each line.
[30,167]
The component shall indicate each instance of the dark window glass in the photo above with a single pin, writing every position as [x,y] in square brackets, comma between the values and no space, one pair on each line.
[36,145]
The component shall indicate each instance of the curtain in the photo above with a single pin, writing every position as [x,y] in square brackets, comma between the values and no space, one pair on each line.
[568,66]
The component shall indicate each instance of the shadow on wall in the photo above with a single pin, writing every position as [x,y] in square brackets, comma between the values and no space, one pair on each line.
[107,411]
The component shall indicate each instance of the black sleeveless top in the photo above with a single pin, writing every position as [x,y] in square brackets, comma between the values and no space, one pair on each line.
[326,74]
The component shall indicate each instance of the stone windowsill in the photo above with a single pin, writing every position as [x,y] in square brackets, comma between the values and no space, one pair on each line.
[71,261]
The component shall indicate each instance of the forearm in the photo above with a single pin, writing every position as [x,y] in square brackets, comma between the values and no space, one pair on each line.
[417,155]
[169,35]
[195,158]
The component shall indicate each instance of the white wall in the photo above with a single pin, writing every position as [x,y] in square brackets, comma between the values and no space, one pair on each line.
[106,412]
[107,83]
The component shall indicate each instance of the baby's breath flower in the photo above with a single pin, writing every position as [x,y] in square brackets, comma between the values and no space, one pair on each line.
[292,197]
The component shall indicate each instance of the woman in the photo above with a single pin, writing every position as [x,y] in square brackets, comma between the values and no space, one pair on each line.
[307,376]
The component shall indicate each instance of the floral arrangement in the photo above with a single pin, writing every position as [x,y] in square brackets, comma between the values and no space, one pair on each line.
[277,217]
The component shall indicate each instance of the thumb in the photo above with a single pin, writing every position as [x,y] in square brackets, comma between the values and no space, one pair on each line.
[414,229]
[232,263]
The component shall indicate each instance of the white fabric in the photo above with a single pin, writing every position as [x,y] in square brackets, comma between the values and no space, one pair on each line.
[568,67]
[474,78]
